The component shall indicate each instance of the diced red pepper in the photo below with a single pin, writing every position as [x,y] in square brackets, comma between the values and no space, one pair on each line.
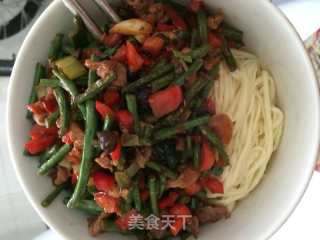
[50,104]
[168,201]
[123,221]
[67,138]
[195,5]
[111,97]
[222,125]
[214,40]
[37,108]
[107,203]
[88,52]
[142,183]
[147,61]
[39,132]
[166,101]
[121,54]
[220,163]
[177,210]
[125,119]
[153,45]
[211,106]
[193,189]
[74,178]
[116,154]
[144,195]
[212,184]
[162,27]
[103,181]
[111,39]
[103,109]
[176,19]
[135,61]
[35,146]
[207,157]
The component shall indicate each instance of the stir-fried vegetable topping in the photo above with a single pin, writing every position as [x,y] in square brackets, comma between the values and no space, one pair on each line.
[126,124]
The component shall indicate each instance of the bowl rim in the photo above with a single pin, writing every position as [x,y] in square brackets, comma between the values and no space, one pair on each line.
[272,229]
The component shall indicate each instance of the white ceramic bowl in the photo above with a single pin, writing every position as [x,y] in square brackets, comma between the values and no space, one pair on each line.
[269,35]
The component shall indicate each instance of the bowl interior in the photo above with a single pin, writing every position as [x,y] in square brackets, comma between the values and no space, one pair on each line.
[268,35]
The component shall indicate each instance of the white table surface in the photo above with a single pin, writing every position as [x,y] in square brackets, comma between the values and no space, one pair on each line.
[18,221]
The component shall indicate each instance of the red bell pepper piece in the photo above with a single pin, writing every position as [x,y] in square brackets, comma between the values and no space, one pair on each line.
[123,221]
[176,19]
[103,181]
[35,146]
[153,45]
[222,126]
[220,163]
[214,40]
[74,178]
[39,132]
[193,189]
[50,104]
[135,61]
[207,157]
[144,195]
[37,108]
[121,54]
[111,39]
[168,201]
[107,203]
[162,27]
[177,210]
[67,138]
[116,154]
[103,109]
[88,52]
[195,5]
[166,101]
[212,184]
[125,119]
[147,61]
[211,106]
[111,97]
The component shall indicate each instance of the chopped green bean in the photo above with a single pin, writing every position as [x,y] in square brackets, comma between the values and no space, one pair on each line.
[89,206]
[196,155]
[133,109]
[87,154]
[169,132]
[52,119]
[64,110]
[153,190]
[153,75]
[54,159]
[136,197]
[70,87]
[95,89]
[49,153]
[55,47]
[200,52]
[216,142]
[194,38]
[162,82]
[161,169]
[40,72]
[203,26]
[228,57]
[194,67]
[232,33]
[53,195]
